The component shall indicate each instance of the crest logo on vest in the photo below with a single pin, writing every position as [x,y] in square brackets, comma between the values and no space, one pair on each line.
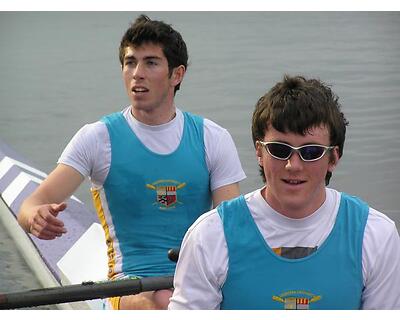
[296,299]
[166,192]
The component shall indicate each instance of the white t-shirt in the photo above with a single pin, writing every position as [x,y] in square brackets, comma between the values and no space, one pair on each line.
[203,261]
[89,151]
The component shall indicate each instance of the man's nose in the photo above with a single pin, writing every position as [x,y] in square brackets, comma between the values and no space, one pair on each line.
[138,71]
[294,162]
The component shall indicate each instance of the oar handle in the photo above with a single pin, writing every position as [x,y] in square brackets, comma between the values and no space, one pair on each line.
[84,291]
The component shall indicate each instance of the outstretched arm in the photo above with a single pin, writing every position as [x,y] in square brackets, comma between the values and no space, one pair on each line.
[38,213]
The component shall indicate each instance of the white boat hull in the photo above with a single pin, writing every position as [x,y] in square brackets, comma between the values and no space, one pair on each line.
[80,255]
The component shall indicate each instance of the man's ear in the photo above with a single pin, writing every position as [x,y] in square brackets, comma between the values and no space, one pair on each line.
[177,75]
[259,153]
[333,159]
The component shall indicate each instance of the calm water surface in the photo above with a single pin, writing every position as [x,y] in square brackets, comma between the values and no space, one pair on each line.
[61,70]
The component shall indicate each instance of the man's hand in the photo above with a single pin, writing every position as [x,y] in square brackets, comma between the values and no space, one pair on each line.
[151,300]
[39,211]
[44,223]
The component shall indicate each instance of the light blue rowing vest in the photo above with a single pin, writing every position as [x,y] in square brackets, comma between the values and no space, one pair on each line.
[329,278]
[153,198]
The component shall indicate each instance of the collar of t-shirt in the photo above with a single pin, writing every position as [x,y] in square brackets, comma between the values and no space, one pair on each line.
[281,231]
[161,139]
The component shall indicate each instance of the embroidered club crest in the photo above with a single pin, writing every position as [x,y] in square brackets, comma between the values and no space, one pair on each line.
[297,300]
[166,195]
[166,192]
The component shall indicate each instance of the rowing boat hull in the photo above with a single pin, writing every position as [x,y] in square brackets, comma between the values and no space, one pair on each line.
[65,260]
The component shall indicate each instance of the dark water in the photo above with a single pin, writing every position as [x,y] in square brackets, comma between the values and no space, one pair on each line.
[61,70]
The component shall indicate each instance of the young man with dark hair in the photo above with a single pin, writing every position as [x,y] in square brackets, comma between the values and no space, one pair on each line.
[154,168]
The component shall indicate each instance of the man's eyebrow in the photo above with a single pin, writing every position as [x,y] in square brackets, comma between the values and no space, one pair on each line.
[129,57]
[132,57]
[152,57]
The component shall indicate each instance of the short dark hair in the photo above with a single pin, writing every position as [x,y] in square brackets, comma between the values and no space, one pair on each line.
[297,104]
[144,30]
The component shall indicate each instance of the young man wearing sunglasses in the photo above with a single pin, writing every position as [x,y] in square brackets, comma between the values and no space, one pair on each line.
[294,243]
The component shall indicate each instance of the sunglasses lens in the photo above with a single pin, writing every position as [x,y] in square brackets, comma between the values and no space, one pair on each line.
[311,152]
[280,151]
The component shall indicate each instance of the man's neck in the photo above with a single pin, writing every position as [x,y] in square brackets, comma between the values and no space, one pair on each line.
[154,117]
[294,212]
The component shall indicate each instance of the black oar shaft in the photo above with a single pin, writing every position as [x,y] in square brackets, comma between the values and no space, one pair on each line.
[84,291]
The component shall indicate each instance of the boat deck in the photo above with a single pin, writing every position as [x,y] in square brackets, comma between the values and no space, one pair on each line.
[18,179]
